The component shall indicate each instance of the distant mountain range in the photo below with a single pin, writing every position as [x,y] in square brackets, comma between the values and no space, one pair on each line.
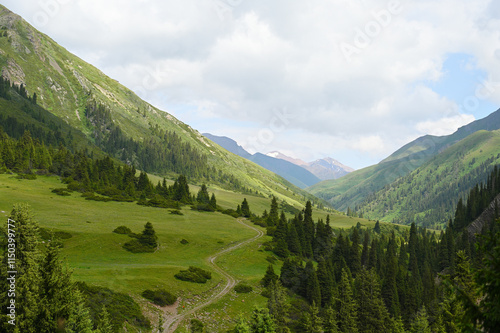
[296,171]
[423,180]
[324,168]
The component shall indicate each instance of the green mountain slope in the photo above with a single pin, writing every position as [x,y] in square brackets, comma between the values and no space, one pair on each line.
[429,194]
[352,189]
[66,85]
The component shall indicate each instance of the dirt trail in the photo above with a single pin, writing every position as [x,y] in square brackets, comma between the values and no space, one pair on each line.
[172,322]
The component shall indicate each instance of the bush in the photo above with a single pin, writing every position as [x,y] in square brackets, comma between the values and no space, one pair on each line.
[122,230]
[61,191]
[194,274]
[184,241]
[120,307]
[231,212]
[29,176]
[243,288]
[176,212]
[159,297]
[135,246]
[196,326]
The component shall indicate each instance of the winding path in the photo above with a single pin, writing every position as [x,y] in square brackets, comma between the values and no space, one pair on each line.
[171,323]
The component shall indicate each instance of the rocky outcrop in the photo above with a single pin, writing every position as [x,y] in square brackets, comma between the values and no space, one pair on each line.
[486,218]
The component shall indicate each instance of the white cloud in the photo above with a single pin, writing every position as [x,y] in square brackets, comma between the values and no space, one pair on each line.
[253,57]
[444,126]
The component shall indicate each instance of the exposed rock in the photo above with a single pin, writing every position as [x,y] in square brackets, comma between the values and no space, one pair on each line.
[487,217]
[13,72]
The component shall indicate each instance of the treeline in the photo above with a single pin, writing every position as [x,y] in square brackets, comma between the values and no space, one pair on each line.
[45,128]
[41,296]
[429,197]
[164,152]
[98,179]
[363,280]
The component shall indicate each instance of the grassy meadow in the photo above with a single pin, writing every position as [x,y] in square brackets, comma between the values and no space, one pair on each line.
[96,256]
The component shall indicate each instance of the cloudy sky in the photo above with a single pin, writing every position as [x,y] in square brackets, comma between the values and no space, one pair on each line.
[350,79]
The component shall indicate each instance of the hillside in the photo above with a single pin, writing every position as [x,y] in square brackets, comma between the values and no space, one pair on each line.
[117,121]
[352,189]
[295,174]
[429,194]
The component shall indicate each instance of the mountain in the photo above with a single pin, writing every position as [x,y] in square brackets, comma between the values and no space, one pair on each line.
[324,169]
[115,120]
[429,194]
[291,172]
[352,189]
[328,168]
[277,154]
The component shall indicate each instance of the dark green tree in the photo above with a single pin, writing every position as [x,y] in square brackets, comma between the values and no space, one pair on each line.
[245,208]
[269,277]
[346,306]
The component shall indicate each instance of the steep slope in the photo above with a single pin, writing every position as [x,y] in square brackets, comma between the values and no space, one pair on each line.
[352,189]
[429,194]
[291,172]
[66,86]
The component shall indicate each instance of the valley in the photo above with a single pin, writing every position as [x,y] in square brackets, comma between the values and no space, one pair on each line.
[130,220]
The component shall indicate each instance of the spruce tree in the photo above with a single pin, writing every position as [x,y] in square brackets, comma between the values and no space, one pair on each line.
[273,217]
[27,277]
[269,277]
[245,208]
[346,306]
[330,321]
[262,322]
[372,313]
[277,305]
[148,237]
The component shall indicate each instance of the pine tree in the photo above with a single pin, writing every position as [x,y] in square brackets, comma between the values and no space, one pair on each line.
[355,257]
[312,288]
[148,237]
[421,322]
[56,303]
[213,202]
[262,322]
[325,282]
[293,240]
[372,314]
[203,196]
[269,277]
[104,323]
[346,306]
[330,321]
[27,278]
[241,326]
[277,304]
[273,217]
[245,208]
[79,318]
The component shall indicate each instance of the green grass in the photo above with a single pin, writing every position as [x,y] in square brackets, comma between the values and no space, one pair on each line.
[96,256]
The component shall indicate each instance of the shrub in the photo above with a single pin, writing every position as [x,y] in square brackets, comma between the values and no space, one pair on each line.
[184,241]
[194,274]
[176,212]
[231,212]
[61,191]
[159,297]
[243,288]
[196,326]
[123,230]
[135,246]
[120,307]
